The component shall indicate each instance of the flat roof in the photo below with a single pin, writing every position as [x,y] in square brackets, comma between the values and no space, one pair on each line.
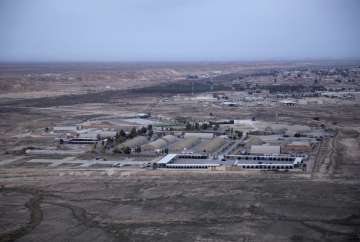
[203,161]
[298,160]
[166,159]
[262,157]
[264,162]
[265,149]
[193,164]
[253,164]
[299,142]
[65,128]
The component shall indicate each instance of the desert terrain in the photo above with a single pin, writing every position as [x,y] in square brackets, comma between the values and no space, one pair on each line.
[65,201]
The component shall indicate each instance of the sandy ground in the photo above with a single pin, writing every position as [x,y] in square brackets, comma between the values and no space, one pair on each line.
[113,205]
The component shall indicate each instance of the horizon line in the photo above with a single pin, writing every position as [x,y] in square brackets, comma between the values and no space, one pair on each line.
[356,59]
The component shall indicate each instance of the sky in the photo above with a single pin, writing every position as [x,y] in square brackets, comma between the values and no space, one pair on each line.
[178,30]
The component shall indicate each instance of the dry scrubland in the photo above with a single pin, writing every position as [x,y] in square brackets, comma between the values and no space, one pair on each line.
[42,204]
[118,206]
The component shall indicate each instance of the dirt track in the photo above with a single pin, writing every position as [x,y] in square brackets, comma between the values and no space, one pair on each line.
[339,156]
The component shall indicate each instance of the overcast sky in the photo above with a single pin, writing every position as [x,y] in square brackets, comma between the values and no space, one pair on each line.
[178,30]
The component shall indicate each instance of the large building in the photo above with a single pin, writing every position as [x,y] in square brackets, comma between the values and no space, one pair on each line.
[298,147]
[199,135]
[133,143]
[267,162]
[265,149]
[160,143]
[185,144]
[239,162]
[213,145]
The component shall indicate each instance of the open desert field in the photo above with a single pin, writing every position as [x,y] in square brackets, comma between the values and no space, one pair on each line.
[108,205]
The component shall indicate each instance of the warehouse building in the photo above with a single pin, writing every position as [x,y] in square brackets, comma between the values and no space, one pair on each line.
[267,162]
[298,147]
[79,141]
[199,135]
[170,138]
[268,166]
[133,143]
[192,166]
[213,145]
[265,149]
[169,158]
[160,143]
[62,129]
[185,144]
[267,158]
[155,145]
[288,102]
[186,161]
[196,161]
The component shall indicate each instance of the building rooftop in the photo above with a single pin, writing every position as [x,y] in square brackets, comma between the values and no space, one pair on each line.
[166,159]
[265,149]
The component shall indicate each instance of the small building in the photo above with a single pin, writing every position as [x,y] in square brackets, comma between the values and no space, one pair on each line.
[265,149]
[107,134]
[64,129]
[79,141]
[318,134]
[230,104]
[143,115]
[288,102]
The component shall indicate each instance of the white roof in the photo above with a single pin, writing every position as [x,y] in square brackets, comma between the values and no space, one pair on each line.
[302,142]
[288,101]
[298,160]
[230,103]
[200,135]
[65,128]
[166,159]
